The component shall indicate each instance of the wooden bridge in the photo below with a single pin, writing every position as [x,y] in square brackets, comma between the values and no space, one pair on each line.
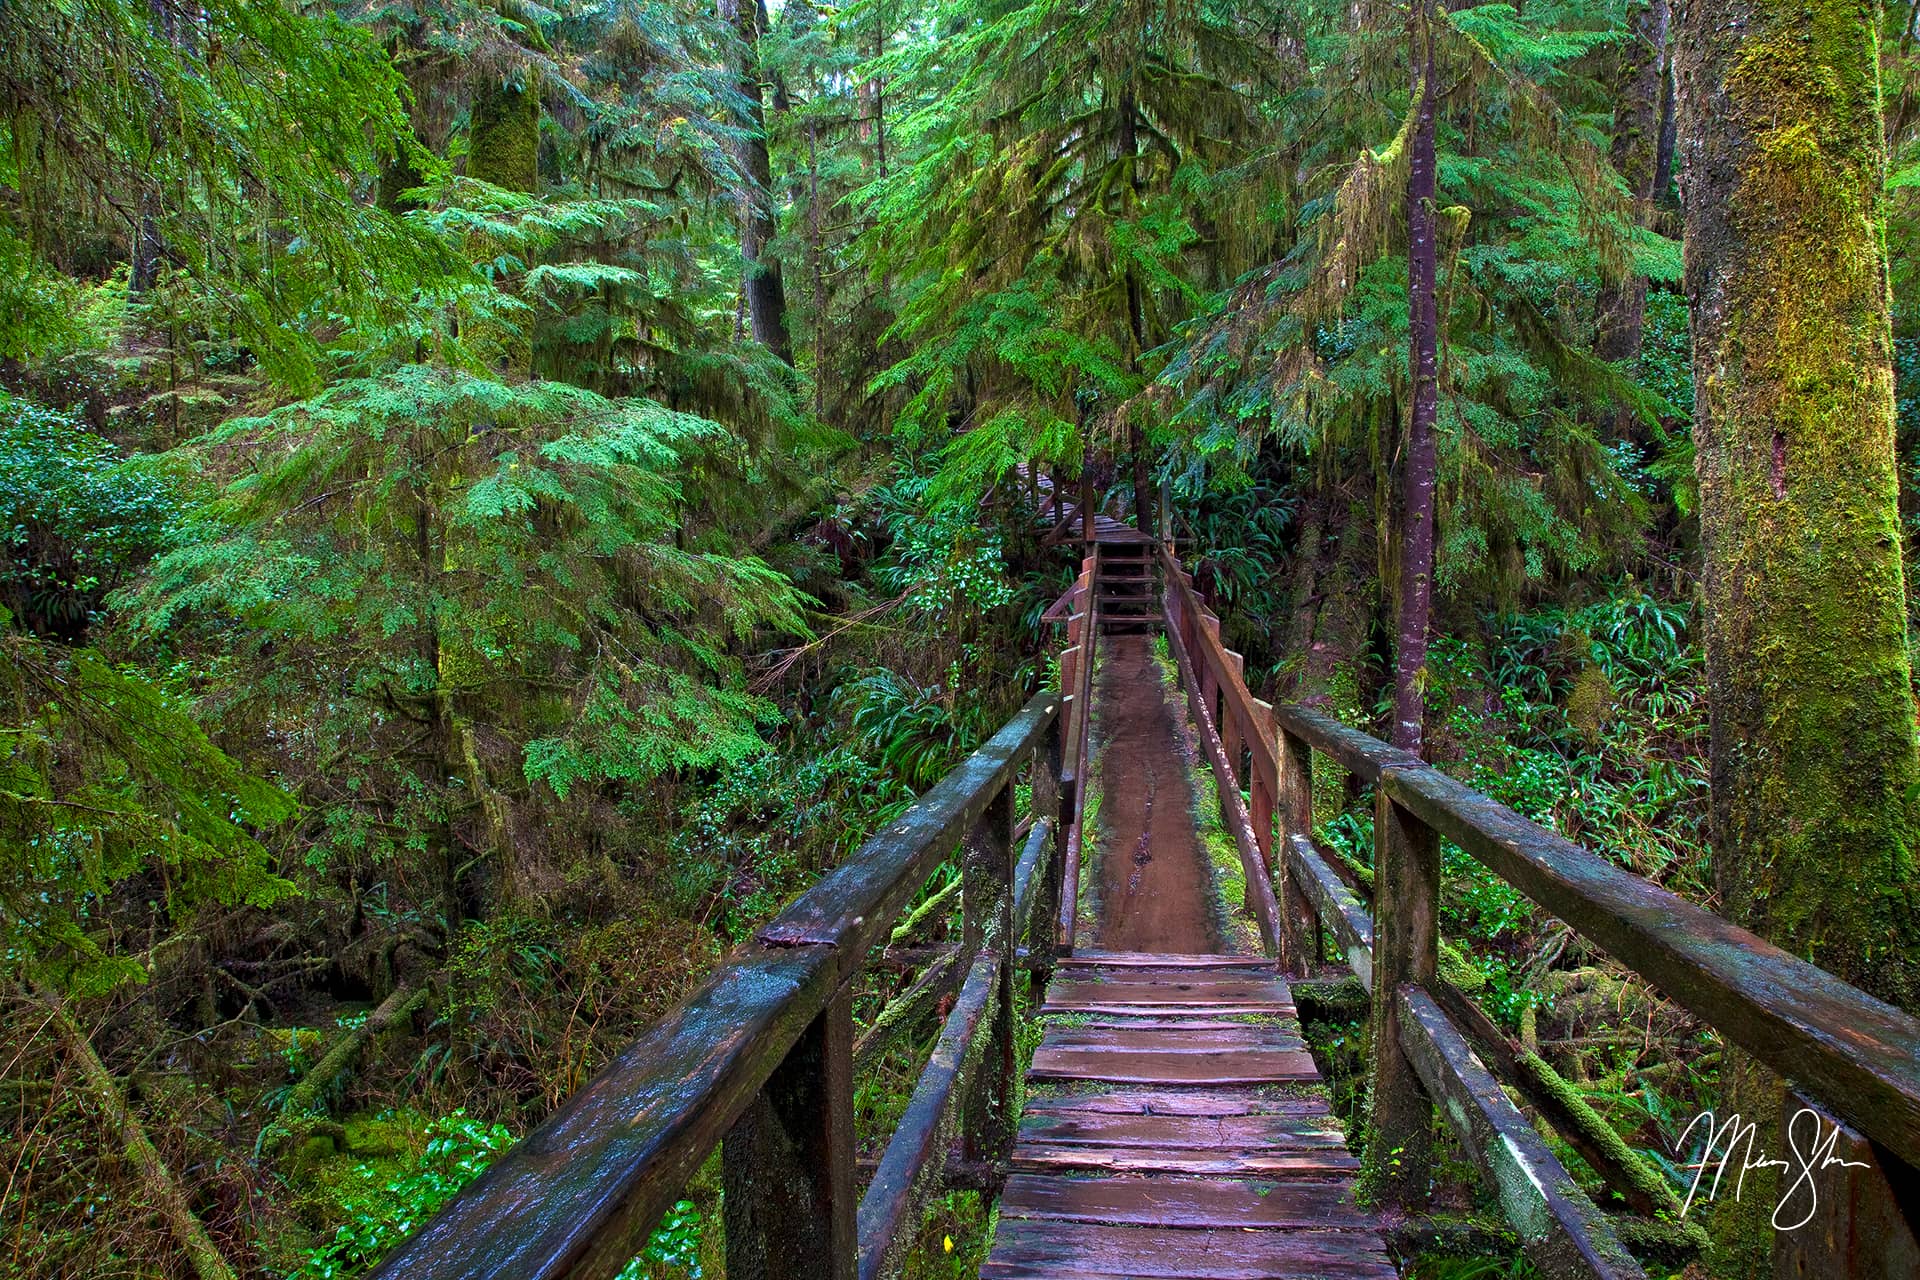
[1170,1123]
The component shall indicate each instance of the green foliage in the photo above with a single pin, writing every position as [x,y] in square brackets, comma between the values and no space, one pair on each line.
[107,782]
[76,518]
[229,133]
[382,1211]
[443,533]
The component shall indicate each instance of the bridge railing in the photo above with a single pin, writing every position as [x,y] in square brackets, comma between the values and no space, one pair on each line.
[1850,1058]
[760,1061]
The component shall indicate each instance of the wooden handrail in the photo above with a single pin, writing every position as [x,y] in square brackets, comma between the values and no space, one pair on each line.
[1076,676]
[758,1061]
[1852,1054]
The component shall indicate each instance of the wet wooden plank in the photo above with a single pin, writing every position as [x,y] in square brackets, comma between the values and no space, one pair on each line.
[1056,1249]
[1562,1231]
[582,1193]
[1168,973]
[1154,1021]
[1067,992]
[1152,960]
[1253,863]
[1185,1202]
[1338,907]
[1281,1132]
[1119,1066]
[1175,1039]
[1332,1162]
[890,1209]
[1121,1009]
[1186,1102]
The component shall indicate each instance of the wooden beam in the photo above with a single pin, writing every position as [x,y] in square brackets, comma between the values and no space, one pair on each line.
[1560,1229]
[788,1162]
[1859,1056]
[914,1159]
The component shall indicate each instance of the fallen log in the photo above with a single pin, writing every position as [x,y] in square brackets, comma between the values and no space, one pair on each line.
[303,1101]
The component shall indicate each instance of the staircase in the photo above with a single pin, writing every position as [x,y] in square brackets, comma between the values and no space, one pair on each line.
[1129,591]
[1175,1126]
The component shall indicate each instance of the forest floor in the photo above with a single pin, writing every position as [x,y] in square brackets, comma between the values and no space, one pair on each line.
[1156,888]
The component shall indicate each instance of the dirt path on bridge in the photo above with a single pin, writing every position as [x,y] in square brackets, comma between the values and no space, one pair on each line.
[1156,891]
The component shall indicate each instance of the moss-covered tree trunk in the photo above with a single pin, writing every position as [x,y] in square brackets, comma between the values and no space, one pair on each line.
[1812,748]
[503,147]
[503,139]
[763,289]
[1813,743]
[1636,137]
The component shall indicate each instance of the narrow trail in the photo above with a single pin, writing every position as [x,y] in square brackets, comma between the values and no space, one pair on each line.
[1156,890]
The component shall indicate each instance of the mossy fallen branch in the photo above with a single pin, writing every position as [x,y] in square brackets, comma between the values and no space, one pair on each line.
[303,1104]
[157,1184]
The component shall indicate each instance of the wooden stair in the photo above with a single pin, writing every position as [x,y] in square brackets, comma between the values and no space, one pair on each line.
[1174,1127]
[1129,591]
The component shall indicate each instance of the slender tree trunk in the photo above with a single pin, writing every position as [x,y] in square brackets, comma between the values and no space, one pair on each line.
[764,290]
[1415,604]
[1136,322]
[1636,137]
[816,253]
[1812,750]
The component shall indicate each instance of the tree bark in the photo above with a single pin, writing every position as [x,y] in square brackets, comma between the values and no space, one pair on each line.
[1622,308]
[1812,751]
[763,288]
[1414,607]
[1136,321]
[1812,738]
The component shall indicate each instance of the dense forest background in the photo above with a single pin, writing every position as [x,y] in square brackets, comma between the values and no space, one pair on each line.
[495,497]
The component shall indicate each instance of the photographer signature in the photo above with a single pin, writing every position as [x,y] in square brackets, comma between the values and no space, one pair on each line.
[1808,1151]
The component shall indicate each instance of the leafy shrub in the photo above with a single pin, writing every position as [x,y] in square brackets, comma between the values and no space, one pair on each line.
[76,518]
[380,1214]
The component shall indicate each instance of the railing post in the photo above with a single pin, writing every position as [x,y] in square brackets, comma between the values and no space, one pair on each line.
[788,1163]
[1052,802]
[1299,927]
[987,929]
[1406,893]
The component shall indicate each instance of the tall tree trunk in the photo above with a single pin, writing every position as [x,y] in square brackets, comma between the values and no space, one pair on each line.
[764,290]
[1414,606]
[1136,320]
[1813,743]
[1812,749]
[1636,143]
[503,147]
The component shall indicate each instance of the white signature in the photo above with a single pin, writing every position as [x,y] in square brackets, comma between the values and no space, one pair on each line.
[1809,1153]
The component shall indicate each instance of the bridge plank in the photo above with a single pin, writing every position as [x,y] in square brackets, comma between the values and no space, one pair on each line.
[1181,1102]
[1030,1247]
[1191,1202]
[1119,1066]
[1204,1132]
[1177,1037]
[1089,958]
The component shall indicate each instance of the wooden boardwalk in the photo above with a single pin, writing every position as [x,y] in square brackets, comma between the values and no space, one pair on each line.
[1175,1127]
